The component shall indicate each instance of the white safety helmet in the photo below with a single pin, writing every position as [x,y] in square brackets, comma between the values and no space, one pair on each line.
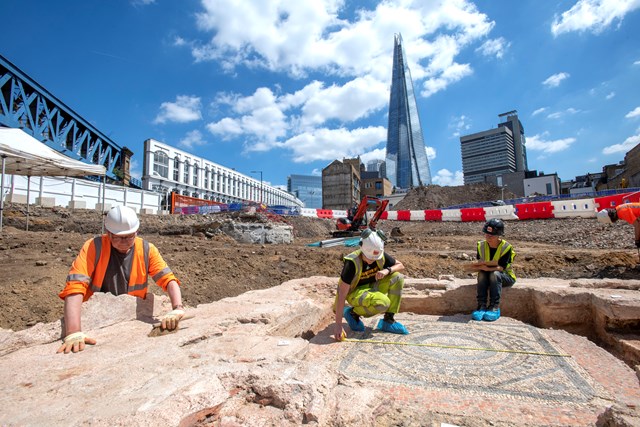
[372,246]
[122,220]
[604,217]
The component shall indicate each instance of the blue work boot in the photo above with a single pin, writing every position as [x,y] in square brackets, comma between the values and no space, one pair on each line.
[478,314]
[492,314]
[353,319]
[394,328]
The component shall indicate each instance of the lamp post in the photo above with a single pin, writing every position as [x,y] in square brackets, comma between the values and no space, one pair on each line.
[260,172]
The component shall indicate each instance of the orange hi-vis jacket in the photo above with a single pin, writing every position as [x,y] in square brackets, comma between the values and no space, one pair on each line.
[628,212]
[87,271]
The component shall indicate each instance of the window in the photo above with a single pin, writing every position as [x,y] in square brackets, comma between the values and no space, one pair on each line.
[378,185]
[186,172]
[549,188]
[176,169]
[206,178]
[161,164]
[195,175]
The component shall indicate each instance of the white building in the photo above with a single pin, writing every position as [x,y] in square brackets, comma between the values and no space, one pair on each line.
[167,169]
[547,185]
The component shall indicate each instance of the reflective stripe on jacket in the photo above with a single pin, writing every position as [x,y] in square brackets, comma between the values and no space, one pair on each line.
[87,271]
[501,250]
[629,212]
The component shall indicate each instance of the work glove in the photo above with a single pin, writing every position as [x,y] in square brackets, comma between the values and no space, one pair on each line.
[171,319]
[75,342]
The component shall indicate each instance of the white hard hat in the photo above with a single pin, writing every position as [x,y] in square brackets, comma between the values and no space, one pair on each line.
[603,216]
[122,220]
[372,246]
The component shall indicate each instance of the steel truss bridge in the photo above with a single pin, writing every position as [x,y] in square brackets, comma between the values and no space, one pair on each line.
[27,105]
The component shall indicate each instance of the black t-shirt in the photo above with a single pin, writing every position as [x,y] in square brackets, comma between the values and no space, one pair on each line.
[369,271]
[116,278]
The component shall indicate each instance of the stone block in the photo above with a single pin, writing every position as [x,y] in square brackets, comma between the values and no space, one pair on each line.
[47,202]
[77,204]
[105,208]
[16,198]
[147,211]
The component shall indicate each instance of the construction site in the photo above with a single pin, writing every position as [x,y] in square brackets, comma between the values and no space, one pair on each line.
[259,351]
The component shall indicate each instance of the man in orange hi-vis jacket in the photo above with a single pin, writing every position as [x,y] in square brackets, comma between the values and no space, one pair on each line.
[629,212]
[117,262]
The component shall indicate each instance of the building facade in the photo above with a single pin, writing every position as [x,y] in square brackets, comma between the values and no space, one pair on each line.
[494,152]
[544,185]
[307,188]
[406,160]
[341,184]
[167,169]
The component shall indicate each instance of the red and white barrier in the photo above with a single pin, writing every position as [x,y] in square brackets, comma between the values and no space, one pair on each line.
[583,208]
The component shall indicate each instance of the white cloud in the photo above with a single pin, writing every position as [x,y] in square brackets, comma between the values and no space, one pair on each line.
[377,154]
[610,95]
[561,114]
[555,80]
[331,144]
[430,152]
[185,109]
[354,58]
[446,178]
[540,143]
[192,139]
[459,125]
[592,15]
[636,63]
[633,114]
[539,111]
[627,145]
[494,47]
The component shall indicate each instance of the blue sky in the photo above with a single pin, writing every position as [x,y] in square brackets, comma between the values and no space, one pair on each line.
[288,86]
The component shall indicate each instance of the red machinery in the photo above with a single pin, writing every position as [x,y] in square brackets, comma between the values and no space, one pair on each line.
[356,220]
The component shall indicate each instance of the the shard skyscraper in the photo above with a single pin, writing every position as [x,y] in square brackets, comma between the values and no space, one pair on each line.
[406,162]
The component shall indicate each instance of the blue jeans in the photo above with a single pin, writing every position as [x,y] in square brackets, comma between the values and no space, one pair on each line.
[492,282]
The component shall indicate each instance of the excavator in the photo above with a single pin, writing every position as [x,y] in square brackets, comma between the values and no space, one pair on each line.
[356,220]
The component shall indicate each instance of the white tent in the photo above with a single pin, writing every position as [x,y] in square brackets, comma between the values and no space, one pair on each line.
[22,154]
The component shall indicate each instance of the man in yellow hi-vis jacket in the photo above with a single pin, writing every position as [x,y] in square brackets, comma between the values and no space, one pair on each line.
[371,283]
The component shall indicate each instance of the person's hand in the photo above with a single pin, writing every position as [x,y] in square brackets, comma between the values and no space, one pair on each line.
[338,333]
[171,319]
[75,342]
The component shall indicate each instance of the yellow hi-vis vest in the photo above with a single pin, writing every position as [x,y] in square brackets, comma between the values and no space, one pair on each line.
[357,261]
[503,248]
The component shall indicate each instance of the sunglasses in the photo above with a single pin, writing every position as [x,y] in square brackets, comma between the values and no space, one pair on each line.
[367,232]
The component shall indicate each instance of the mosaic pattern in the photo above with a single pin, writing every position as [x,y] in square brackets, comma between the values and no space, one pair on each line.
[508,374]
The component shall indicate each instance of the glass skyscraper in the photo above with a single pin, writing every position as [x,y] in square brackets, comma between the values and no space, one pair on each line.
[307,188]
[406,162]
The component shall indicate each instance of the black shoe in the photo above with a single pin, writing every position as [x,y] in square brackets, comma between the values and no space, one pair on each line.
[388,317]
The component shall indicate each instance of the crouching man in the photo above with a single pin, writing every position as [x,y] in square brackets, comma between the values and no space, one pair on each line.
[371,283]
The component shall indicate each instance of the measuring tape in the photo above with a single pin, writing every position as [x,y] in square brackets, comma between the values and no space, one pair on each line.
[458,347]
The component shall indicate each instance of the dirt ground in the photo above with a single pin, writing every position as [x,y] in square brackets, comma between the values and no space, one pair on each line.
[212,266]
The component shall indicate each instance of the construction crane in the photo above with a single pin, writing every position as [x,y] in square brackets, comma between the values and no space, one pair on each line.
[356,220]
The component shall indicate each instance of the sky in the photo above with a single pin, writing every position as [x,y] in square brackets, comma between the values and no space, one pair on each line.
[288,86]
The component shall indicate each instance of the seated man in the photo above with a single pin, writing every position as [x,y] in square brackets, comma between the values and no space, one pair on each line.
[495,270]
[371,283]
[117,262]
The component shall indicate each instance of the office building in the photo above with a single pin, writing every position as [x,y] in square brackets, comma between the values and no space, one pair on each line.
[307,188]
[406,160]
[167,169]
[495,153]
